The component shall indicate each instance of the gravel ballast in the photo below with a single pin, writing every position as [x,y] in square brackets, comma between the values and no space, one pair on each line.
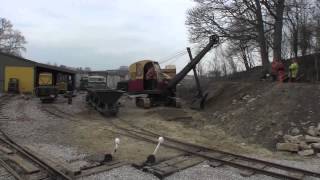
[49,135]
[122,173]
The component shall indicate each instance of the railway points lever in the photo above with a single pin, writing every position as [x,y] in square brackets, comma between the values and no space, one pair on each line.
[152,157]
[109,157]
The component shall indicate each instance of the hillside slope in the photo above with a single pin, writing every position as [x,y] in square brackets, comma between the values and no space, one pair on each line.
[261,112]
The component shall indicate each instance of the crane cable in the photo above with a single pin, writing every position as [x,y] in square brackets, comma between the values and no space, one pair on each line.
[167,58]
[174,56]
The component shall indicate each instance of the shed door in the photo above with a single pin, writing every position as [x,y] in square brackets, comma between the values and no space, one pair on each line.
[25,75]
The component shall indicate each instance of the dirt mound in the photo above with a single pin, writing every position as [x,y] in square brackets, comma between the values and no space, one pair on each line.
[261,112]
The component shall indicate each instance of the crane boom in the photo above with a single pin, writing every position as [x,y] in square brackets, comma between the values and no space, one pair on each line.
[172,84]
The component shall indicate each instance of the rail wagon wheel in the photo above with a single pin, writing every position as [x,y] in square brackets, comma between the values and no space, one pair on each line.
[139,102]
[101,106]
[111,110]
[95,101]
[146,103]
[178,103]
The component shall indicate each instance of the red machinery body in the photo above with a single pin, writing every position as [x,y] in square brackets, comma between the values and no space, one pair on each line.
[139,82]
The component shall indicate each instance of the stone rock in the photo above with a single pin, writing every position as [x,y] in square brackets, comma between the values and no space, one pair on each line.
[316,146]
[311,139]
[318,155]
[318,130]
[234,101]
[308,152]
[205,166]
[288,147]
[305,123]
[292,124]
[251,100]
[246,97]
[293,139]
[311,131]
[258,128]
[295,131]
[280,133]
[304,146]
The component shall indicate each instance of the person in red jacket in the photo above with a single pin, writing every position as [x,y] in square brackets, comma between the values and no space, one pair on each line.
[274,71]
[277,70]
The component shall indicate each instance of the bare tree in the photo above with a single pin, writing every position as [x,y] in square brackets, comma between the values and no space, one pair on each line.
[239,50]
[239,20]
[301,19]
[293,12]
[276,9]
[11,41]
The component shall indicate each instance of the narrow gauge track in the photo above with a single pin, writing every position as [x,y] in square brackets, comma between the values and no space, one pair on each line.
[24,164]
[3,101]
[215,157]
[218,157]
[56,112]
[20,163]
[90,169]
[6,171]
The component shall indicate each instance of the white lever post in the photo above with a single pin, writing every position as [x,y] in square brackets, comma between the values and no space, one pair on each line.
[160,140]
[117,142]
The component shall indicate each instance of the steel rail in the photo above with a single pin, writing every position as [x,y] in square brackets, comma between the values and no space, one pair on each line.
[10,170]
[201,151]
[51,170]
[7,140]
[280,166]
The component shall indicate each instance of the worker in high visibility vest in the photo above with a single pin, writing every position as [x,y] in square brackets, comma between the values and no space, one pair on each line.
[294,68]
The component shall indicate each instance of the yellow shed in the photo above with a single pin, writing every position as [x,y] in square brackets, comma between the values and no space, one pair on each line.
[25,75]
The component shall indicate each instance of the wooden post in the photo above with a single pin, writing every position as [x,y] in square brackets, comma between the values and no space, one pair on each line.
[195,74]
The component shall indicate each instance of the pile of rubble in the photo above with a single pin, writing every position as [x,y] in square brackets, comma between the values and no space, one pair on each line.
[304,145]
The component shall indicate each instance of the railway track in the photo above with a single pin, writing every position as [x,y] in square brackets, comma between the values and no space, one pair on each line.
[57,113]
[193,154]
[93,167]
[17,162]
[22,163]
[3,100]
[248,165]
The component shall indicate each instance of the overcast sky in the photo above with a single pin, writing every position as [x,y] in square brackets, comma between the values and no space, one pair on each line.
[101,34]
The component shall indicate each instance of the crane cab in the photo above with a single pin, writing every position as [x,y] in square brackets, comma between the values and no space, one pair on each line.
[146,76]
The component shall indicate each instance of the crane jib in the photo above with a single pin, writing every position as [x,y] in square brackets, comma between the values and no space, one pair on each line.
[172,84]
